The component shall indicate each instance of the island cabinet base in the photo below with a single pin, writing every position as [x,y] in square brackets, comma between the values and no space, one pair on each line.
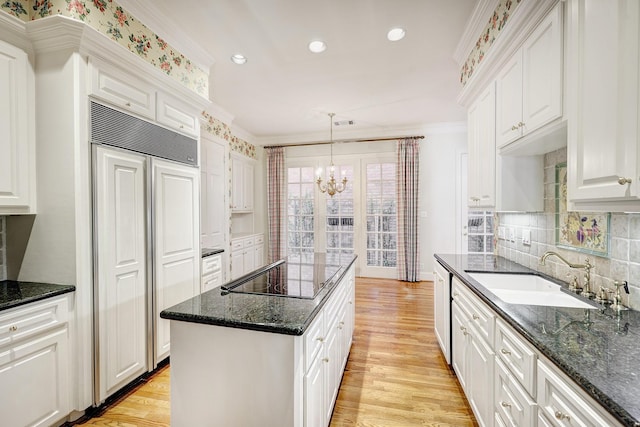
[224,376]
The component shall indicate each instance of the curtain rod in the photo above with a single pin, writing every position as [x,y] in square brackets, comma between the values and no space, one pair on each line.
[342,141]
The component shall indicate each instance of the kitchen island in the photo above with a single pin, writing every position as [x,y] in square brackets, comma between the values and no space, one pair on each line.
[578,366]
[267,349]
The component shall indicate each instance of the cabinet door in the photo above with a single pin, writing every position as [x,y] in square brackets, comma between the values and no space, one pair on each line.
[603,135]
[542,73]
[248,187]
[459,344]
[480,379]
[482,150]
[333,365]
[314,395]
[34,381]
[441,311]
[16,150]
[177,256]
[258,258]
[509,101]
[213,219]
[176,115]
[237,184]
[121,268]
[249,259]
[237,264]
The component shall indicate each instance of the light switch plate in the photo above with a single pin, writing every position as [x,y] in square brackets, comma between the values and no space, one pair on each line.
[512,235]
[501,233]
[526,236]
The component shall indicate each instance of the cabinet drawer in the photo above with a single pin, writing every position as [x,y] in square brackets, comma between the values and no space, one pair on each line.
[248,242]
[479,314]
[314,338]
[517,356]
[211,263]
[211,281]
[565,406]
[259,239]
[32,319]
[513,406]
[237,244]
[122,90]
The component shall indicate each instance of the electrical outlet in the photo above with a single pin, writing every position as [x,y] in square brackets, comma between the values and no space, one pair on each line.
[526,236]
[502,233]
[512,235]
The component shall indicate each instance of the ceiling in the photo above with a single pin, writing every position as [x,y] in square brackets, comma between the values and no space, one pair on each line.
[284,92]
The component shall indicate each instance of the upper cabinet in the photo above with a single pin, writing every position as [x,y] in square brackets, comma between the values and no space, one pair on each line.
[482,150]
[242,171]
[604,95]
[17,132]
[529,86]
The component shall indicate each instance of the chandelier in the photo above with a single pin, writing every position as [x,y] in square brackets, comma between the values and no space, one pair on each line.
[331,187]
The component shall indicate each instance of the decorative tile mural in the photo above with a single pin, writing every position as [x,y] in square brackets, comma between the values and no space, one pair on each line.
[584,232]
[221,130]
[110,19]
[495,25]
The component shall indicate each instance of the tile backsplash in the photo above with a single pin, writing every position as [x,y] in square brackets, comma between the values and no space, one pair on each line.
[623,262]
[3,248]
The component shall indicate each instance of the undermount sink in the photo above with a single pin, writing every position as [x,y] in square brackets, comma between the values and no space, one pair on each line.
[528,289]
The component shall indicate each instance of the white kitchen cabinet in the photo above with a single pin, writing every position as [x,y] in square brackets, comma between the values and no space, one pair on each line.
[242,174]
[529,86]
[562,403]
[604,93]
[441,308]
[17,136]
[34,356]
[174,114]
[121,89]
[213,193]
[211,272]
[513,406]
[482,150]
[247,254]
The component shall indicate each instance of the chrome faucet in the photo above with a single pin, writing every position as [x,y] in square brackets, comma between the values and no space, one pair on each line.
[587,266]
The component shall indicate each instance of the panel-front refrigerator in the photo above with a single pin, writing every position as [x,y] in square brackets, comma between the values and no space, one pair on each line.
[146,244]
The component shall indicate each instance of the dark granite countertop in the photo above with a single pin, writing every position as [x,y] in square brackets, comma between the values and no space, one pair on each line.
[598,349]
[211,251]
[269,313]
[14,293]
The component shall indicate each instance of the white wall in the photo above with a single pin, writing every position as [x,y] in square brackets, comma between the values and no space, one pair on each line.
[438,176]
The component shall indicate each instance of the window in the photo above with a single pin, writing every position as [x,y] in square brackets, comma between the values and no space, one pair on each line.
[340,220]
[480,237]
[300,210]
[381,215]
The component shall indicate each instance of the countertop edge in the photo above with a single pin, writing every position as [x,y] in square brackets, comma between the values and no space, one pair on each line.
[65,289]
[607,403]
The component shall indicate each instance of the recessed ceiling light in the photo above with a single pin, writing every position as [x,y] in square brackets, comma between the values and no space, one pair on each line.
[238,59]
[396,34]
[317,46]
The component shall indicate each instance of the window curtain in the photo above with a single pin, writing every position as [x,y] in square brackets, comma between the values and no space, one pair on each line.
[407,189]
[276,202]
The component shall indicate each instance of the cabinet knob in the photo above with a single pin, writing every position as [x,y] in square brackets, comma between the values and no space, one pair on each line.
[505,404]
[326,360]
[128,104]
[520,124]
[624,181]
[562,416]
[456,295]
[320,339]
[514,127]
[13,328]
[475,316]
[464,330]
[504,351]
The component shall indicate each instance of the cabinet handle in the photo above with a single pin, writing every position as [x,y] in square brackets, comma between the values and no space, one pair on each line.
[504,351]
[514,127]
[464,330]
[562,416]
[181,126]
[456,295]
[13,328]
[475,316]
[505,404]
[624,181]
[320,339]
[128,104]
[520,124]
[326,360]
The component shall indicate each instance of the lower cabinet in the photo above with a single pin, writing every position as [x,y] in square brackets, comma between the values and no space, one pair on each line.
[211,272]
[247,254]
[34,352]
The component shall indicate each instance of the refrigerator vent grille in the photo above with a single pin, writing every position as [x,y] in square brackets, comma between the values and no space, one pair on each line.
[117,129]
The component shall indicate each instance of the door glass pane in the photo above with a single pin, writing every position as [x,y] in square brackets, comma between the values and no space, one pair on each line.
[480,231]
[300,210]
[340,218]
[381,215]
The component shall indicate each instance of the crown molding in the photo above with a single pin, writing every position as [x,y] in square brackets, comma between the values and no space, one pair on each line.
[13,30]
[164,26]
[519,26]
[61,33]
[220,113]
[475,25]
[241,133]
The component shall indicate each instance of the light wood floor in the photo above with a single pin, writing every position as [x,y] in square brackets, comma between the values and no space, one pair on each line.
[395,376]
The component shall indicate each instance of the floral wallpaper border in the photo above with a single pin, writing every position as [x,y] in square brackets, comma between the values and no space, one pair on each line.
[495,25]
[220,129]
[110,19]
